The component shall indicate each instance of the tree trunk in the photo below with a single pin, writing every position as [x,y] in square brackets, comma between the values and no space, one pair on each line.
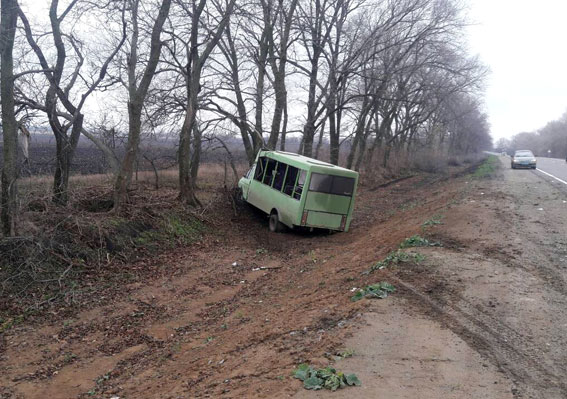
[334,133]
[232,57]
[185,184]
[333,139]
[284,128]
[384,124]
[281,99]
[308,135]
[358,133]
[8,24]
[196,158]
[124,177]
[309,128]
[320,141]
[258,133]
[189,163]
[65,150]
[362,144]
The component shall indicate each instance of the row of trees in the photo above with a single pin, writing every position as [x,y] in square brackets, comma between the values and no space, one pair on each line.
[549,141]
[389,76]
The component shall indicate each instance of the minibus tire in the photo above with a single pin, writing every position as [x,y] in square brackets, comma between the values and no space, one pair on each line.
[274,223]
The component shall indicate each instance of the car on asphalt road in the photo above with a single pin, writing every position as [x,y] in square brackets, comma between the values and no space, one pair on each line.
[523,159]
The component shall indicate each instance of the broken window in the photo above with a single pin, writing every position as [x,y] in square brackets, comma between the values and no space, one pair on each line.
[290,180]
[270,170]
[259,173]
[299,185]
[280,174]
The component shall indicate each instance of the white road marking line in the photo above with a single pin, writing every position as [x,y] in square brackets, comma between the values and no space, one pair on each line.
[555,177]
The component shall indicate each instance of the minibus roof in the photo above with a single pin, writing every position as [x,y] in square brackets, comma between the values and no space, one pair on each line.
[304,162]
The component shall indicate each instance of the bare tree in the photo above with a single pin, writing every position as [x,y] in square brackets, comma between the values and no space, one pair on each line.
[59,90]
[189,62]
[251,139]
[278,21]
[137,92]
[316,22]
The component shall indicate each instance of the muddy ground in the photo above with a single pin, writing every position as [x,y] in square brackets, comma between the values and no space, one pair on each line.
[482,316]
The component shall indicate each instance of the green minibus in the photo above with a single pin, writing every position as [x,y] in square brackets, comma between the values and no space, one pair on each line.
[297,191]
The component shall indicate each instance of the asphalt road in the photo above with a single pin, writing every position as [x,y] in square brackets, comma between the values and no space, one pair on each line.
[557,168]
[553,168]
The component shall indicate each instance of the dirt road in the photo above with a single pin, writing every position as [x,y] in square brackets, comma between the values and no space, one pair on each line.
[483,316]
[499,287]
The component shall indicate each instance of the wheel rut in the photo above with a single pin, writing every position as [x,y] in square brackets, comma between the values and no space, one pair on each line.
[498,342]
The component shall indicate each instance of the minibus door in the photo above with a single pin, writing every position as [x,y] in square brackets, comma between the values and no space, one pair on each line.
[246,182]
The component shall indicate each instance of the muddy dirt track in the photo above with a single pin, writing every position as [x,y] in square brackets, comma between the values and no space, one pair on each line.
[483,316]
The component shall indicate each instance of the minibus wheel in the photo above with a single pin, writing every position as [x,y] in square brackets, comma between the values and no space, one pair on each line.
[274,223]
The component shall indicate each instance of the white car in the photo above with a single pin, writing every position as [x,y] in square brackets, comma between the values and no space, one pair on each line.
[523,159]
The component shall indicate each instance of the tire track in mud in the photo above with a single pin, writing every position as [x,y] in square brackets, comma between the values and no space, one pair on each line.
[497,342]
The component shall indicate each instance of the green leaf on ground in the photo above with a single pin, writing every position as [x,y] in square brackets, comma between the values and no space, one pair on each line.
[352,379]
[327,378]
[418,241]
[379,290]
[301,372]
[395,258]
[314,383]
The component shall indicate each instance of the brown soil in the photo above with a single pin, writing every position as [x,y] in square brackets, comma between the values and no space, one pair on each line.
[231,315]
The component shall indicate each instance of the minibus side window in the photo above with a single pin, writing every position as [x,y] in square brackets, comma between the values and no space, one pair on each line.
[290,180]
[259,172]
[299,185]
[280,174]
[270,170]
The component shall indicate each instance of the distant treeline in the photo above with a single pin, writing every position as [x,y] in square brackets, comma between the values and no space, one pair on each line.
[549,141]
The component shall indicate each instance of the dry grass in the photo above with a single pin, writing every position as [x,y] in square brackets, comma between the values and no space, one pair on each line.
[211,177]
[57,246]
[404,163]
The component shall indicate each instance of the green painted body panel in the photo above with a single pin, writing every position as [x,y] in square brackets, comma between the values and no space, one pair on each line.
[325,220]
[266,198]
[327,203]
[324,210]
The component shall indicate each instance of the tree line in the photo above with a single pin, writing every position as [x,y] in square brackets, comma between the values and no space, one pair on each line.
[549,141]
[388,76]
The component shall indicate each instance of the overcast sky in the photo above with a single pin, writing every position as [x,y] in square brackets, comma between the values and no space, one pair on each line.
[524,44]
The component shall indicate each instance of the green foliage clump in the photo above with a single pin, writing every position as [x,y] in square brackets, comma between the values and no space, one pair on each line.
[418,241]
[184,230]
[379,290]
[435,220]
[395,258]
[168,231]
[487,168]
[327,378]
[345,354]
